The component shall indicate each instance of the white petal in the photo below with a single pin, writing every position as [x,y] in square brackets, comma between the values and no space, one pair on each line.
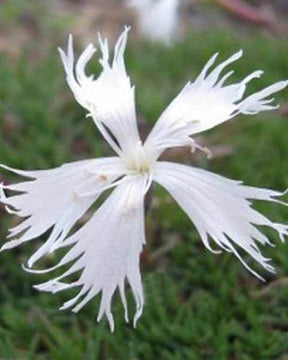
[205,103]
[110,98]
[220,209]
[107,248]
[258,102]
[53,199]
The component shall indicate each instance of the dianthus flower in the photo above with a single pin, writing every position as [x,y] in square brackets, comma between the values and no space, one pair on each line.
[106,249]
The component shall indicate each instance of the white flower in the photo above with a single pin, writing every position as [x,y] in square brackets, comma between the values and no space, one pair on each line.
[157,19]
[106,249]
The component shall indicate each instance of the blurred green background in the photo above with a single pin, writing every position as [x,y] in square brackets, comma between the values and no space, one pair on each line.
[198,305]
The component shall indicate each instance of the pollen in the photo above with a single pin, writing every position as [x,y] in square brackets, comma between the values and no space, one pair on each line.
[103,177]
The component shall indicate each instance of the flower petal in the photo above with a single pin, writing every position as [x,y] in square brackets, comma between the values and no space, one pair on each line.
[205,103]
[110,99]
[54,199]
[220,209]
[107,248]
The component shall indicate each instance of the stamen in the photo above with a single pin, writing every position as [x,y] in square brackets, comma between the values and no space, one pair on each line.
[149,180]
[106,135]
[137,162]
[194,146]
[99,190]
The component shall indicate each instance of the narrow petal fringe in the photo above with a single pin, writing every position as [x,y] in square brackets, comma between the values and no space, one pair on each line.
[220,210]
[106,255]
[206,103]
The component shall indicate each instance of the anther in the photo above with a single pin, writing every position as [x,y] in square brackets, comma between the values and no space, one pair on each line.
[194,146]
[103,177]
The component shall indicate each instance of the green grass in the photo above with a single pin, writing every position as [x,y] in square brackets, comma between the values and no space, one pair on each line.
[198,305]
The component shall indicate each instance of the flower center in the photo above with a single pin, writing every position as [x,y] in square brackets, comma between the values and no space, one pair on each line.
[138,161]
